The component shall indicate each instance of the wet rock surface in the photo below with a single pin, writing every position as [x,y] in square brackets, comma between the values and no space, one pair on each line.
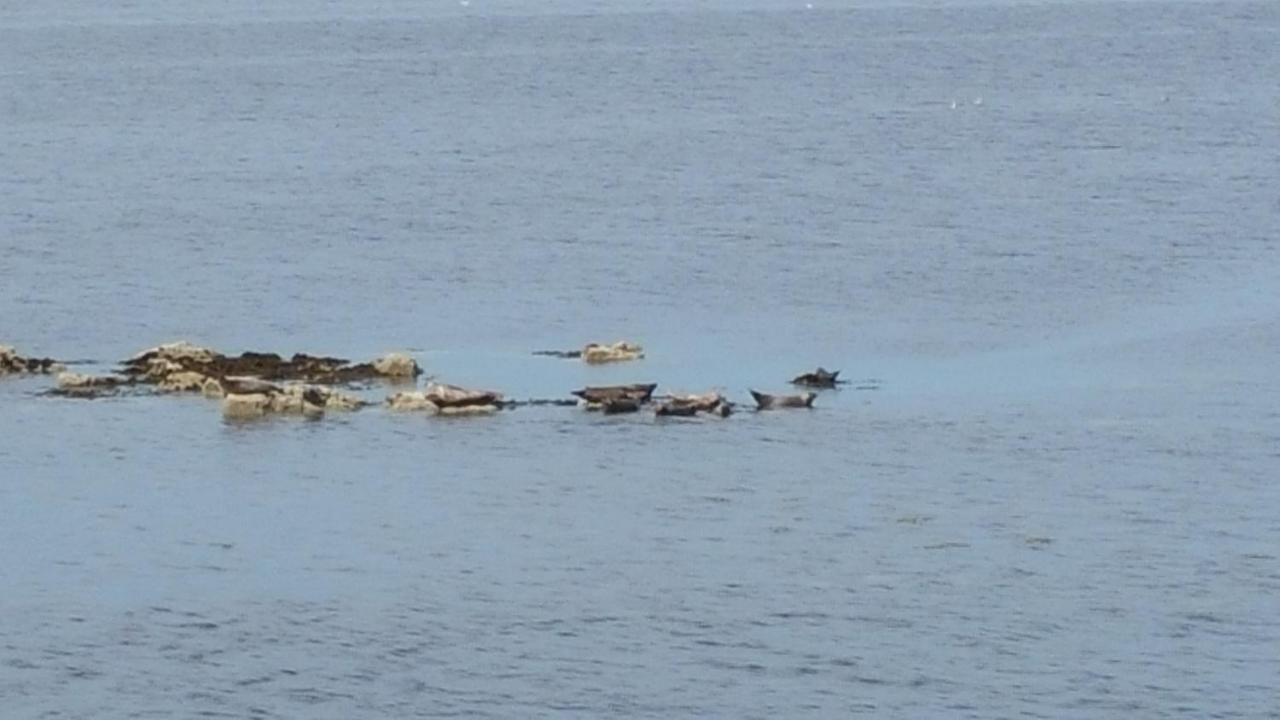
[11,363]
[164,361]
[258,399]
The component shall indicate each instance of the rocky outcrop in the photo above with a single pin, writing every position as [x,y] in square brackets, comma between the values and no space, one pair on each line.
[183,367]
[11,363]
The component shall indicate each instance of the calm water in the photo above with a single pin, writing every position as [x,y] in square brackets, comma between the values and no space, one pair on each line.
[1040,237]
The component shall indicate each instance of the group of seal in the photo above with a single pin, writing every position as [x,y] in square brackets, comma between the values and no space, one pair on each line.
[255,384]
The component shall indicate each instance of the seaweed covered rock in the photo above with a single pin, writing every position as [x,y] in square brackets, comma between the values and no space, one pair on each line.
[185,367]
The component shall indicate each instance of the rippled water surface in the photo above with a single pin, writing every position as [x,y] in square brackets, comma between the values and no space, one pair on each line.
[1039,238]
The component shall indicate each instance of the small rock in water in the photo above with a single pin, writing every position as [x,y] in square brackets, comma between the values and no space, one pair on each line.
[11,363]
[599,353]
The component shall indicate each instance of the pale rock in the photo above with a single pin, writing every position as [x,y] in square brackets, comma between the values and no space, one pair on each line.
[181,350]
[396,365]
[617,352]
[411,401]
[246,405]
[184,381]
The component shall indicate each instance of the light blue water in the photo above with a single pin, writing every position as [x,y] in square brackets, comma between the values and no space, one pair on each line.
[1058,501]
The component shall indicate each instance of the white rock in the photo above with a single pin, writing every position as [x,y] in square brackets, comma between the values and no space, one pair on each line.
[185,381]
[396,365]
[411,401]
[617,352]
[181,350]
[246,406]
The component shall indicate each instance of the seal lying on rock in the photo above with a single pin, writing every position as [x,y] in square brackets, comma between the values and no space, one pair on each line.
[447,400]
[617,397]
[254,398]
[690,405]
[772,402]
[12,363]
[820,378]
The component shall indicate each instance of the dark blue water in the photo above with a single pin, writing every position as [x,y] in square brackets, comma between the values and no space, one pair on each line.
[1040,238]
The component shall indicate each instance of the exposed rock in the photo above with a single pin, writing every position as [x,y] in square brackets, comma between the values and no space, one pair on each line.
[71,381]
[771,402]
[397,365]
[160,363]
[183,381]
[76,385]
[820,378]
[181,350]
[212,388]
[13,363]
[249,397]
[600,352]
[248,405]
[411,401]
[469,410]
[620,351]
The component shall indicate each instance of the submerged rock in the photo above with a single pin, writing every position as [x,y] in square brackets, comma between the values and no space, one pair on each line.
[820,378]
[11,363]
[765,401]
